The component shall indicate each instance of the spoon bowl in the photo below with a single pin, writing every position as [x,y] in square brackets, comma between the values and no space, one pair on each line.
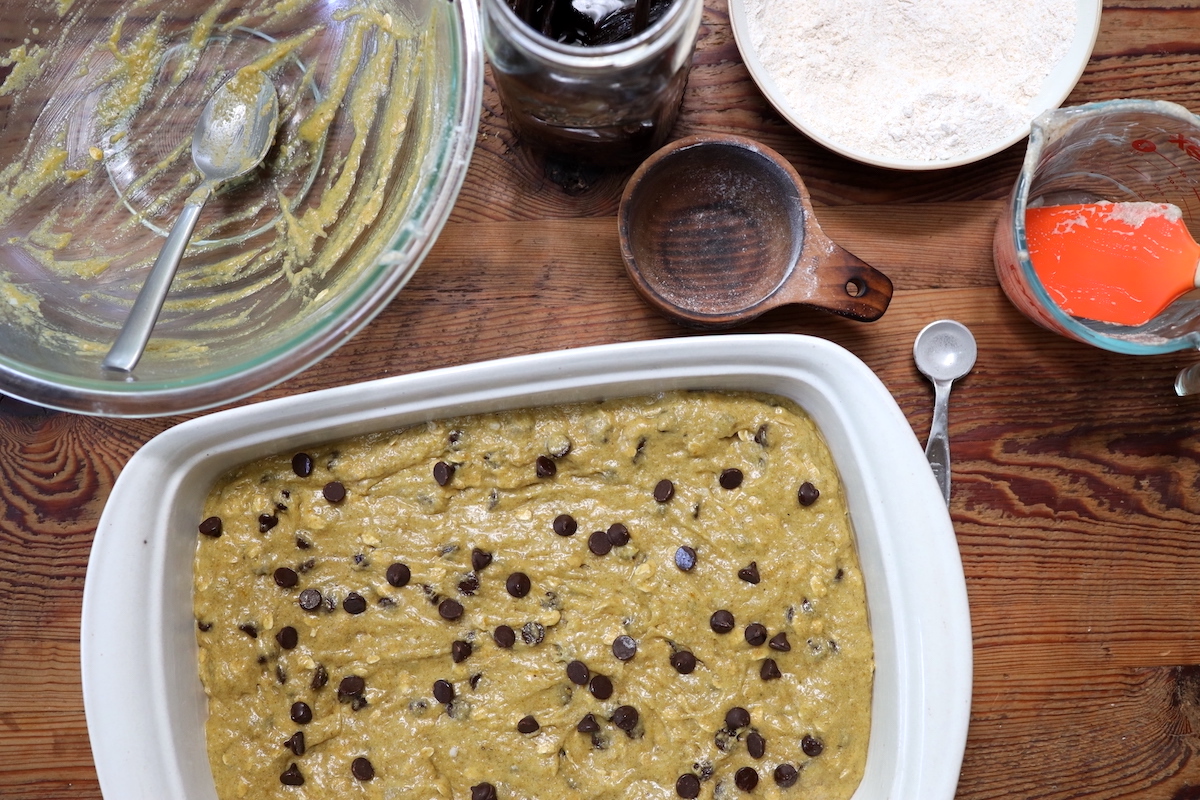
[716,230]
[944,352]
[232,136]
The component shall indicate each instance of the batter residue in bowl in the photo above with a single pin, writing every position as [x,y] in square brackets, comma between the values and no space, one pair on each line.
[97,162]
[644,598]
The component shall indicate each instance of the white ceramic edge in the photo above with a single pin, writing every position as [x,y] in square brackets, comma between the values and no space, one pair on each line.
[1057,87]
[142,696]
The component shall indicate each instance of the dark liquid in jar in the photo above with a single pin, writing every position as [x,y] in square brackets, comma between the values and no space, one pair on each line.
[588,24]
[613,121]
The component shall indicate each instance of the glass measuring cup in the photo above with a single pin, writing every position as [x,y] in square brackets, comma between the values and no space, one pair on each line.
[1116,151]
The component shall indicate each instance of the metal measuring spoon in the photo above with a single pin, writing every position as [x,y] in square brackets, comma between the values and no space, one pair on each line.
[232,136]
[944,352]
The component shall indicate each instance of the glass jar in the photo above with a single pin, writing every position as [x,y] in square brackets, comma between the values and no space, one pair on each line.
[606,104]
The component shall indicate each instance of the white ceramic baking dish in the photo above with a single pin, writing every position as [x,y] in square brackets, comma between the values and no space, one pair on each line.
[142,693]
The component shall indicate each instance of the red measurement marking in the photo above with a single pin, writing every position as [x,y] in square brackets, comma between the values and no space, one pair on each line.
[1190,148]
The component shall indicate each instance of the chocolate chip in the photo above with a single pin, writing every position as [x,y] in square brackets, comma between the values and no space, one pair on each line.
[756,634]
[480,559]
[301,714]
[450,609]
[204,627]
[730,478]
[664,490]
[588,724]
[351,686]
[483,791]
[362,769]
[302,465]
[688,785]
[398,574]
[291,776]
[310,599]
[442,473]
[280,674]
[749,573]
[469,585]
[737,717]
[625,718]
[721,621]
[528,724]
[600,687]
[685,558]
[811,746]
[249,629]
[460,651]
[474,679]
[517,584]
[354,603]
[302,543]
[618,535]
[578,673]
[808,494]
[624,647]
[599,544]
[443,691]
[286,577]
[780,642]
[756,745]
[287,638]
[211,527]
[533,632]
[545,468]
[320,677]
[505,636]
[683,662]
[746,778]
[565,525]
[334,492]
[266,522]
[295,743]
[786,775]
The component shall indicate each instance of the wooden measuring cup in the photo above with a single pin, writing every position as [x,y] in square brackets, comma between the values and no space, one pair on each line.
[717,229]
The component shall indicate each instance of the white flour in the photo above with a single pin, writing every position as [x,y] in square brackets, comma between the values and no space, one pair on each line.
[926,80]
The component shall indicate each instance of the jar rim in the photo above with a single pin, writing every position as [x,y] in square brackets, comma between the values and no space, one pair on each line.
[659,36]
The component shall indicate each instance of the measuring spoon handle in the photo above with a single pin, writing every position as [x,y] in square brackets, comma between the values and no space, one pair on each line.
[937,449]
[131,343]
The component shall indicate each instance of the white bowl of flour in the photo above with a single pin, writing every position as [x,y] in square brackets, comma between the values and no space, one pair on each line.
[915,84]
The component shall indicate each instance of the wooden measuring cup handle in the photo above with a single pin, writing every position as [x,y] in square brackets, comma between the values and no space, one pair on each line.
[850,286]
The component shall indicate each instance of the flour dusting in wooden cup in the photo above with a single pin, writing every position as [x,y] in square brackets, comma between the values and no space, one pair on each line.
[716,230]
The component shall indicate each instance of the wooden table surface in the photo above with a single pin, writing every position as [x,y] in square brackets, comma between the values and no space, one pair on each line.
[1076,471]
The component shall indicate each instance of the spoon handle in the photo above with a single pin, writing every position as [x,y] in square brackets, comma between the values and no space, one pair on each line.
[937,449]
[131,343]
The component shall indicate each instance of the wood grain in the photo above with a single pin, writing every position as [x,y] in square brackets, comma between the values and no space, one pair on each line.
[1076,471]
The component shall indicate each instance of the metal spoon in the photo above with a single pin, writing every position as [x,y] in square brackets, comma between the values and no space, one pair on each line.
[944,352]
[232,136]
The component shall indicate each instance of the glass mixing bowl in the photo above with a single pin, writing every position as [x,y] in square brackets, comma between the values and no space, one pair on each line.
[380,102]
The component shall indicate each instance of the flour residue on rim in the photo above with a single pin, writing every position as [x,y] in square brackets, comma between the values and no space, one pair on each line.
[919,80]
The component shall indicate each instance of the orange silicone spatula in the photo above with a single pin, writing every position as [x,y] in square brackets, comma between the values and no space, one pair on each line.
[1121,263]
